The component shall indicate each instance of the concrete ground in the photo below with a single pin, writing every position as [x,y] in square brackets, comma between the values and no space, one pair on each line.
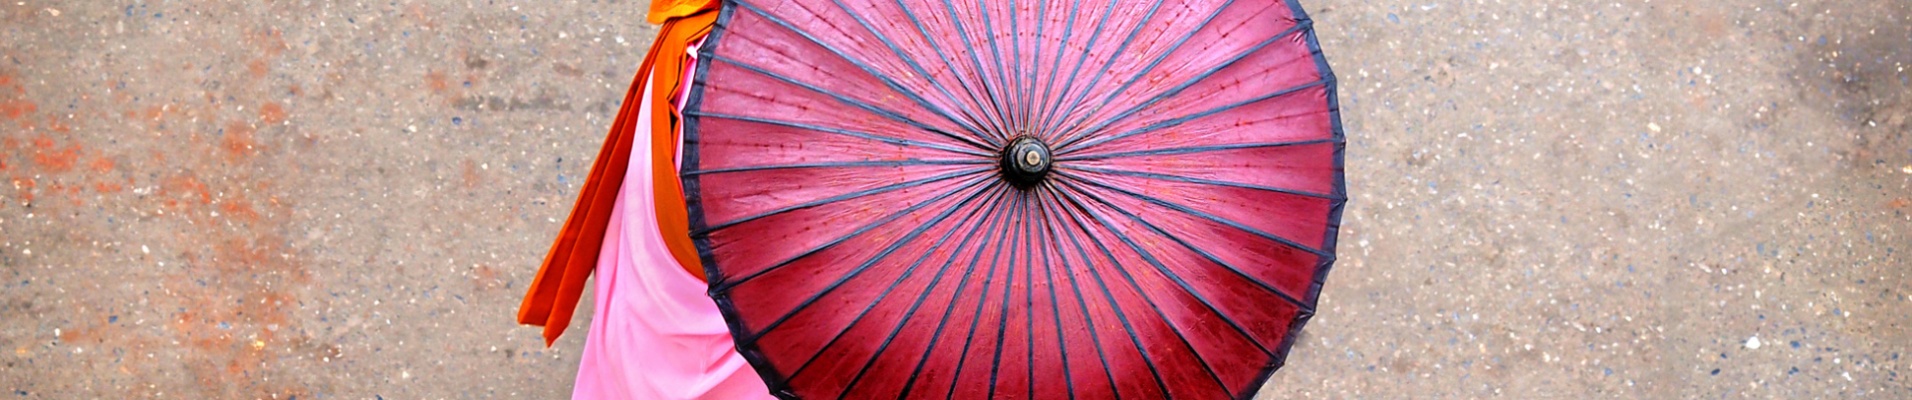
[320,199]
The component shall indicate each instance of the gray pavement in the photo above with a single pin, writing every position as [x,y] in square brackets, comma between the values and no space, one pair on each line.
[1633,199]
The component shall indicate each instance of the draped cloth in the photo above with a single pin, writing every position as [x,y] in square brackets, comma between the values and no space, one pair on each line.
[559,283]
[657,334]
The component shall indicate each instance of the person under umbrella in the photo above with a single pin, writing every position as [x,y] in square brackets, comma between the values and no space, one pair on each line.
[901,199]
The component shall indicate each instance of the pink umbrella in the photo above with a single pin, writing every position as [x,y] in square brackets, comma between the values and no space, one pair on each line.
[913,198]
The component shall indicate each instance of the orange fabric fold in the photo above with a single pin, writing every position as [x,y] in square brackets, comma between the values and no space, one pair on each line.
[559,284]
[664,10]
[673,217]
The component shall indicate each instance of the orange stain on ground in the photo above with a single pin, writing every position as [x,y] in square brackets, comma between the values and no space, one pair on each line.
[239,209]
[257,68]
[238,295]
[184,187]
[469,177]
[485,278]
[269,41]
[233,306]
[13,102]
[436,82]
[418,14]
[272,113]
[70,191]
[16,108]
[58,125]
[101,165]
[53,159]
[238,141]
[25,188]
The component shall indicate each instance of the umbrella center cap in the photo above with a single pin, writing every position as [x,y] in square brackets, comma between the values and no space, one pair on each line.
[1025,162]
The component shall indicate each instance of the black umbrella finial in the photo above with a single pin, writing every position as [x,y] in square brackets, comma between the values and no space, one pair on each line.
[1025,162]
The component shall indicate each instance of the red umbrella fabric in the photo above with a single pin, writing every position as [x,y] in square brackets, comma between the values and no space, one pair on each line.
[970,199]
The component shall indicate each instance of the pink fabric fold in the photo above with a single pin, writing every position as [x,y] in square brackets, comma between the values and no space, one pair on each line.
[656,334]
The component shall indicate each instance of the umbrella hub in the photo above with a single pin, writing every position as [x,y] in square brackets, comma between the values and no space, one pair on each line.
[1026,162]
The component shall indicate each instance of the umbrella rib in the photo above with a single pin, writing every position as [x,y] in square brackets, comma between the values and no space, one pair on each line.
[988,233]
[1051,108]
[1203,215]
[975,99]
[837,198]
[1106,99]
[880,255]
[985,213]
[1125,114]
[1097,79]
[726,285]
[1002,321]
[976,316]
[864,267]
[1206,255]
[893,115]
[982,77]
[1202,181]
[1056,227]
[901,163]
[887,80]
[1002,75]
[1130,278]
[1110,295]
[1194,149]
[1029,298]
[1055,303]
[1073,147]
[839,131]
[1036,103]
[1026,83]
[975,123]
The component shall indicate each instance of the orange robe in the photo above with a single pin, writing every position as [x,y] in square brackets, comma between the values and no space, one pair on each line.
[559,284]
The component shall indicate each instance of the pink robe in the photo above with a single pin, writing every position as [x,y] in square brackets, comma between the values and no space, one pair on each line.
[656,334]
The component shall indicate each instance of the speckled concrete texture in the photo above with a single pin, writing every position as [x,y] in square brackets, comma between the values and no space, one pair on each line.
[1635,199]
